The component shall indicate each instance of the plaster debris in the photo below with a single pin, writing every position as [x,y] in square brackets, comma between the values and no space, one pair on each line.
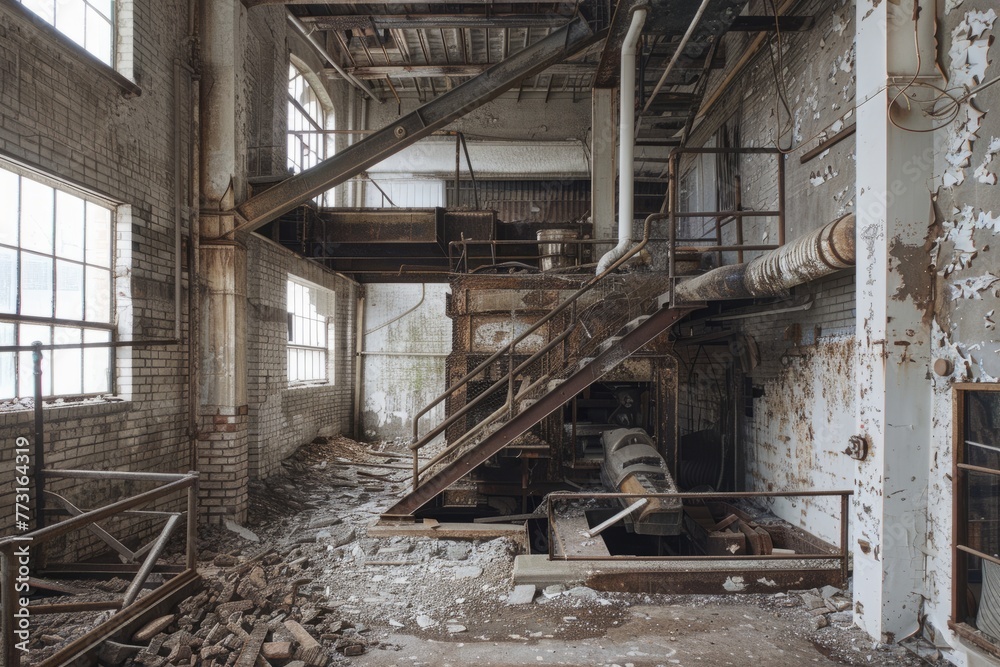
[971,288]
[983,174]
[949,5]
[990,323]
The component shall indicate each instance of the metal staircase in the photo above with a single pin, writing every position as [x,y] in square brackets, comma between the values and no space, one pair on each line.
[601,327]
[615,350]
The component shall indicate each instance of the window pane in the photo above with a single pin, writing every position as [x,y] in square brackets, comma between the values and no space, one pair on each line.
[8,280]
[26,375]
[102,6]
[69,19]
[98,235]
[44,8]
[984,512]
[67,365]
[36,216]
[69,290]
[7,371]
[9,202]
[96,363]
[98,36]
[98,295]
[36,285]
[69,226]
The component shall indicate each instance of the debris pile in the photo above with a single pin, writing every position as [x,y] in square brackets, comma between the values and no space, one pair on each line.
[251,614]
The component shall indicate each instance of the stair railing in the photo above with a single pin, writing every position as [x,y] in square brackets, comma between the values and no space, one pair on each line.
[418,443]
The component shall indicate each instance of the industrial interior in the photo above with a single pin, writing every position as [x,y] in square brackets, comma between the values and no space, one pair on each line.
[677,297]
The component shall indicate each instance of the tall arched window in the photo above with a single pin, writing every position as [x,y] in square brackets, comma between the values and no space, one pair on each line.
[309,115]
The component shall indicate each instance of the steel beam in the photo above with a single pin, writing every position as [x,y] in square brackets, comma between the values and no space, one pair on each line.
[405,71]
[416,125]
[606,361]
[435,21]
[257,3]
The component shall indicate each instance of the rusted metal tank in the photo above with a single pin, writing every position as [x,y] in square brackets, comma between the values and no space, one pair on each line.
[632,465]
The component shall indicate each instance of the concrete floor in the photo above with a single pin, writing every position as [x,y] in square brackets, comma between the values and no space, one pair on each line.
[653,635]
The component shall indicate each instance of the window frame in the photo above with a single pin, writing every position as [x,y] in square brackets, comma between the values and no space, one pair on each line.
[17,319]
[320,127]
[324,319]
[960,551]
[118,72]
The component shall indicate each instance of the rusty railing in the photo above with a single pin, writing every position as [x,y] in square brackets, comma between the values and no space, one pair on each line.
[842,553]
[16,555]
[721,218]
[513,396]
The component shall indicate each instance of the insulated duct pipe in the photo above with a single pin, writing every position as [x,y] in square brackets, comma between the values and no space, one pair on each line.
[826,250]
[626,142]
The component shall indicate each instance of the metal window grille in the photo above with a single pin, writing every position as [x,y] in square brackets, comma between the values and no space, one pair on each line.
[308,339]
[89,23]
[56,254]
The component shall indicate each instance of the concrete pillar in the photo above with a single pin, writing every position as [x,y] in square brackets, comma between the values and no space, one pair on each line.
[893,290]
[223,456]
[603,170]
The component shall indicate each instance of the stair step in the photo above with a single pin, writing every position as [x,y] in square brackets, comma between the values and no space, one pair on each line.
[628,328]
[609,343]
[553,385]
[584,362]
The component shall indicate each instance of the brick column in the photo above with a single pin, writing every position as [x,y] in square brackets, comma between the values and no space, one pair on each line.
[222,440]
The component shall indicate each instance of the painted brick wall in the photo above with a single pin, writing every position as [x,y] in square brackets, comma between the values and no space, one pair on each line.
[800,424]
[282,417]
[59,115]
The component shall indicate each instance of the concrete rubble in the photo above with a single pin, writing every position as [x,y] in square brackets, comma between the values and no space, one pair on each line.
[317,590]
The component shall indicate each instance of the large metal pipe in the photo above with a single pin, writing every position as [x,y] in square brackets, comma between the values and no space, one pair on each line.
[820,253]
[626,145]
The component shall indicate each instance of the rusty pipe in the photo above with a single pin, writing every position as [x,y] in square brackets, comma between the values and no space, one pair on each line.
[820,253]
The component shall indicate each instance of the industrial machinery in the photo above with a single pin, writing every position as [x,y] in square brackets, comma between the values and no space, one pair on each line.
[632,465]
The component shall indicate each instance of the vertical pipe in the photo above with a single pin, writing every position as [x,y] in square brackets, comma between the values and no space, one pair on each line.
[718,240]
[194,264]
[626,148]
[458,167]
[844,509]
[359,342]
[781,199]
[36,358]
[548,525]
[738,200]
[178,199]
[472,174]
[191,554]
[672,207]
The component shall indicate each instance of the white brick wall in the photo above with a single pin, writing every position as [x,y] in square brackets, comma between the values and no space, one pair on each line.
[281,417]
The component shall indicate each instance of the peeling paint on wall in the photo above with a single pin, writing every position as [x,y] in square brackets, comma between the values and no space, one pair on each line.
[972,287]
[982,173]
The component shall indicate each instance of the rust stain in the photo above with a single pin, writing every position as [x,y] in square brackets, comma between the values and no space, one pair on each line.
[916,276]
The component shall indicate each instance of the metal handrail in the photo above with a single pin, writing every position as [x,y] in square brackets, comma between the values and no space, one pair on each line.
[418,443]
[841,554]
[131,605]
